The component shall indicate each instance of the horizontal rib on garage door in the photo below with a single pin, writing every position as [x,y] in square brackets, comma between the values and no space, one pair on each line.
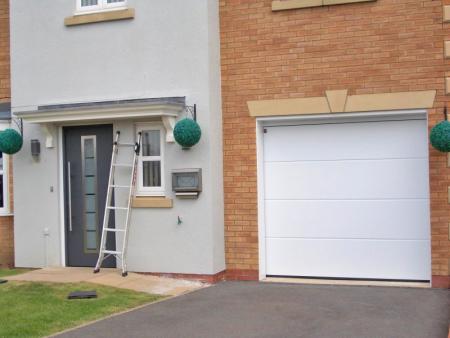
[348,200]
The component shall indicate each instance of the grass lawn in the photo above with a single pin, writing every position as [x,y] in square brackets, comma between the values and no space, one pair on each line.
[30,309]
[12,272]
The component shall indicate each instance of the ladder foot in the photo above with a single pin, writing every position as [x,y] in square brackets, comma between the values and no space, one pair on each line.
[124,274]
[96,270]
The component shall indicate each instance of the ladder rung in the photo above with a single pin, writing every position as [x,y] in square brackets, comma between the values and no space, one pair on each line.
[117,208]
[126,144]
[110,252]
[120,186]
[113,230]
[122,165]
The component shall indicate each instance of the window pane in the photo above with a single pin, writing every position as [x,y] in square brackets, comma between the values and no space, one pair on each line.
[89,186]
[88,148]
[89,167]
[2,199]
[91,240]
[151,173]
[85,3]
[91,221]
[151,143]
[114,1]
[90,203]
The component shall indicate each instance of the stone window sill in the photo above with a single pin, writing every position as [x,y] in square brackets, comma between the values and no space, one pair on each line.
[281,5]
[447,13]
[83,19]
[152,202]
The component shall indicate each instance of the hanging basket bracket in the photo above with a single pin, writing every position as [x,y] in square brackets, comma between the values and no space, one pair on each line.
[19,124]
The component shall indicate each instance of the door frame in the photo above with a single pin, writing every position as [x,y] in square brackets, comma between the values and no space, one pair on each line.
[262,122]
[61,190]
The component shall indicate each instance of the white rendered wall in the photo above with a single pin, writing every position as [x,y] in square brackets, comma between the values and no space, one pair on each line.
[170,48]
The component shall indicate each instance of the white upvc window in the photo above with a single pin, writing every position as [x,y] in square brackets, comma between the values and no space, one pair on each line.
[151,160]
[99,5]
[4,179]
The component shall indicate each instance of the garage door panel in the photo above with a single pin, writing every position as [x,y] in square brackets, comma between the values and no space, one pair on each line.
[348,200]
[391,219]
[407,260]
[375,179]
[393,139]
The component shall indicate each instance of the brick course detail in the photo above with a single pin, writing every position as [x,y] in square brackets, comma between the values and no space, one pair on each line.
[373,47]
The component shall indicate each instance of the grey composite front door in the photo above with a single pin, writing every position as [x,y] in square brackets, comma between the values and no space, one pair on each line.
[87,157]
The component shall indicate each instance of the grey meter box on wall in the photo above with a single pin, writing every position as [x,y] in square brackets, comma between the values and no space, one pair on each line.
[187,183]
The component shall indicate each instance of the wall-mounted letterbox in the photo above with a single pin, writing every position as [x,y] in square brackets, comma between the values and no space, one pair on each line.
[187,183]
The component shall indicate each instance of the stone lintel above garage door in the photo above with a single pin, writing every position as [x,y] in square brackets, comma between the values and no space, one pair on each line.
[338,101]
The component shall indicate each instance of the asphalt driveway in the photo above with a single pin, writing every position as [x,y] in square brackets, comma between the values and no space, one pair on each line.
[251,309]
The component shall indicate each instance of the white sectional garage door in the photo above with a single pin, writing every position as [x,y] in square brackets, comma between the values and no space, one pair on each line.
[347,200]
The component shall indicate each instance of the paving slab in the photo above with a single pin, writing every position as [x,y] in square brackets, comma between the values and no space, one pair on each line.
[251,309]
[111,277]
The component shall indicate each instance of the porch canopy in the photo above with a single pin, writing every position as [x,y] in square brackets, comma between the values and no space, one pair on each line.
[50,116]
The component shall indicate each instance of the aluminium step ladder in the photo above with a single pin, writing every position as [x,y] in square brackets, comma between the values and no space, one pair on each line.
[106,230]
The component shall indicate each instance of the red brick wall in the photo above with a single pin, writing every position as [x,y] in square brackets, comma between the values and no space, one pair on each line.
[7,229]
[6,222]
[373,47]
[5,92]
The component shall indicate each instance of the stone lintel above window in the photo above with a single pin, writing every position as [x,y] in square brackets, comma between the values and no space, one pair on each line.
[281,5]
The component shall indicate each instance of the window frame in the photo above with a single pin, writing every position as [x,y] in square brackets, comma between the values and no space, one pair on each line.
[101,6]
[140,189]
[5,210]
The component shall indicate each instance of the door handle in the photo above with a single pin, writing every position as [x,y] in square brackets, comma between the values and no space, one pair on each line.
[69,189]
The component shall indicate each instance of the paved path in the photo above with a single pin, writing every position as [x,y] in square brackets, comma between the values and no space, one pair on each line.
[250,309]
[111,277]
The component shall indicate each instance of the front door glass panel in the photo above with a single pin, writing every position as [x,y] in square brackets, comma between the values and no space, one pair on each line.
[89,187]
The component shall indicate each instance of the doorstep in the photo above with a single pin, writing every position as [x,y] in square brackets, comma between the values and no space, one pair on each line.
[111,277]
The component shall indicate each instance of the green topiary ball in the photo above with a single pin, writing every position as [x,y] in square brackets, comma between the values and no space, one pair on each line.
[10,141]
[187,133]
[440,136]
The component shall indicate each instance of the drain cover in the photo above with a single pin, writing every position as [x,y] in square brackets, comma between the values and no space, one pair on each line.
[82,295]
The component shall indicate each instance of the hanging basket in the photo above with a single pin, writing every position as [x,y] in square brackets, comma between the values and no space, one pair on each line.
[187,133]
[440,136]
[10,141]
